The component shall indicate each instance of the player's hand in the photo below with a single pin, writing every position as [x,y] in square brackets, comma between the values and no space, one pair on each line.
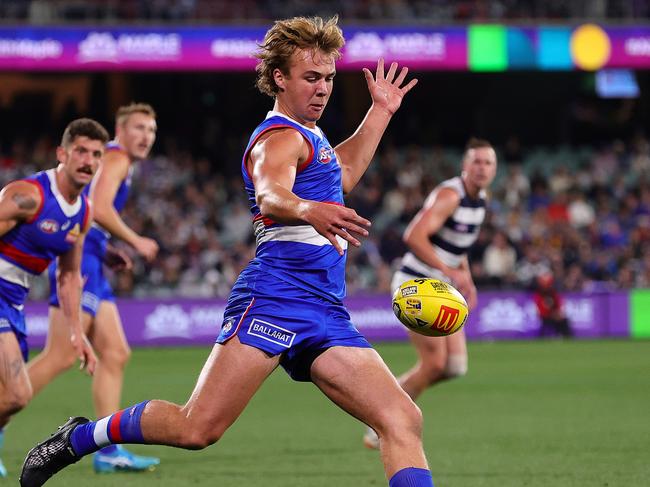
[146,247]
[117,259]
[471,297]
[84,351]
[462,280]
[335,220]
[387,91]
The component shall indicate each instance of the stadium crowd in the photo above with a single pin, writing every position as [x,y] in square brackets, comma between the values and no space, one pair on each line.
[439,11]
[581,213]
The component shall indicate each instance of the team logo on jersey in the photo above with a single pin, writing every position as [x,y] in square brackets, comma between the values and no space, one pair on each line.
[49,226]
[73,235]
[272,333]
[227,326]
[325,154]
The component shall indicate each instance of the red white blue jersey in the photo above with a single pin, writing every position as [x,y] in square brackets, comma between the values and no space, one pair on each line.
[297,253]
[97,237]
[29,247]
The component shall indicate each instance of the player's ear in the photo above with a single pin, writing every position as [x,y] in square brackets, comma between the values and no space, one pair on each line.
[61,154]
[279,78]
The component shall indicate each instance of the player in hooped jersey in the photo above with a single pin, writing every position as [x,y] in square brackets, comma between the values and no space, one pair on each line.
[438,238]
[43,218]
[285,308]
[135,133]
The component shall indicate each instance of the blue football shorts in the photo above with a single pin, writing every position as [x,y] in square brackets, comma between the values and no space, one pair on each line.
[279,318]
[12,320]
[96,286]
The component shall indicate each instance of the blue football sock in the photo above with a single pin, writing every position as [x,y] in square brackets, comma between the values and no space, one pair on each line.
[411,477]
[121,427]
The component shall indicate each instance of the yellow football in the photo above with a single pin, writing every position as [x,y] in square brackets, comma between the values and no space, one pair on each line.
[430,307]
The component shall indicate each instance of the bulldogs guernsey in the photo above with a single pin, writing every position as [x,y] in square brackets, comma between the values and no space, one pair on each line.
[457,234]
[298,254]
[97,237]
[29,247]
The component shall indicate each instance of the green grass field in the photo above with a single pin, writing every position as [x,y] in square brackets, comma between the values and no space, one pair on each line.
[535,414]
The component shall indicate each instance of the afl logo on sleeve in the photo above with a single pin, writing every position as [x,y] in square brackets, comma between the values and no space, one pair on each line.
[325,154]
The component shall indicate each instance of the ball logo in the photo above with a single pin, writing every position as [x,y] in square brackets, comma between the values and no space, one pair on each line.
[325,154]
[447,318]
[409,291]
[49,226]
[413,306]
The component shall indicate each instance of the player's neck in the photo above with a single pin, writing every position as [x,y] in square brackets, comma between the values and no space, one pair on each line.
[284,110]
[68,190]
[471,190]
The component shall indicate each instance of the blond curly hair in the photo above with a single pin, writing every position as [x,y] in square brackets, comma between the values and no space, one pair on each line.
[285,37]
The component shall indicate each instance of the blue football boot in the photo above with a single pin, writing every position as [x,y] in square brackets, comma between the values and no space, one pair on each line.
[119,459]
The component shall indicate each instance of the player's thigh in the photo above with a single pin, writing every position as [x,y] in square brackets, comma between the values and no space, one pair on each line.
[107,333]
[14,380]
[430,350]
[230,377]
[456,343]
[358,381]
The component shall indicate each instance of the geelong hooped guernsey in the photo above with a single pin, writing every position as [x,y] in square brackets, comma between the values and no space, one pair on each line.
[29,247]
[456,235]
[97,237]
[297,253]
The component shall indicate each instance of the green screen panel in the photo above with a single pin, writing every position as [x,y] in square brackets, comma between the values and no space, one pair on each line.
[488,49]
[640,313]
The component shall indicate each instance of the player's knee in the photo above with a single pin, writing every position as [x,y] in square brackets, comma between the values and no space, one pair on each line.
[456,366]
[66,361]
[402,421]
[116,357]
[433,369]
[198,438]
[17,398]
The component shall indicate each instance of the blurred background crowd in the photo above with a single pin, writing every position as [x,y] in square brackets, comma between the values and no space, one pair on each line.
[581,213]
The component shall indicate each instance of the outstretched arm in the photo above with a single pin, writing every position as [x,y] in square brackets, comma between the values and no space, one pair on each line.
[112,172]
[274,161]
[355,153]
[69,289]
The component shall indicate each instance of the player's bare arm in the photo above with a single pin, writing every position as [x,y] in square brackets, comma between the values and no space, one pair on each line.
[386,90]
[470,294]
[19,201]
[426,223]
[110,175]
[274,161]
[69,289]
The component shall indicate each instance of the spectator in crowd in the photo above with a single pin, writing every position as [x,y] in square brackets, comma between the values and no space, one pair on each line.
[499,260]
[550,308]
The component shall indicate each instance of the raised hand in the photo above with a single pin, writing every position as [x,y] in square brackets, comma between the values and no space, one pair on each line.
[387,91]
